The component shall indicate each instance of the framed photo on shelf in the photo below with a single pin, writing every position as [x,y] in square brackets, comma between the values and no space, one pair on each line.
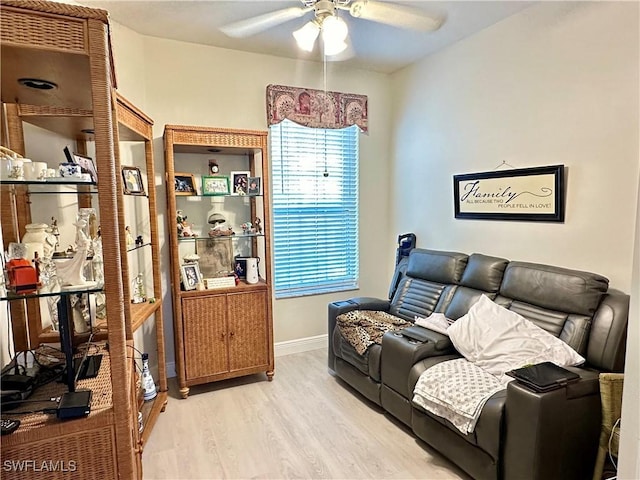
[216,256]
[184,184]
[239,182]
[190,276]
[216,185]
[132,181]
[253,186]
[87,166]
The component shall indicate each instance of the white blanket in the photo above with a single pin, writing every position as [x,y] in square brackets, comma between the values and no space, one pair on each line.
[456,390]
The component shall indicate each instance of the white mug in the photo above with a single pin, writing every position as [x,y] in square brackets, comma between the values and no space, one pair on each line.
[16,171]
[35,170]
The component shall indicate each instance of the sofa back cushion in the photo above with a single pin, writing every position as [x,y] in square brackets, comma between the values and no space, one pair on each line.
[554,288]
[482,276]
[558,300]
[436,266]
[428,283]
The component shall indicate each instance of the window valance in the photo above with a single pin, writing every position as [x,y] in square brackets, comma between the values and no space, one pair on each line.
[316,108]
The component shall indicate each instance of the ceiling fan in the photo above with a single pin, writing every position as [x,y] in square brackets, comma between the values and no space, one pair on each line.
[333,28]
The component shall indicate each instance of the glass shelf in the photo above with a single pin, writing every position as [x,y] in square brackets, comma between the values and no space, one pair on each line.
[54,185]
[221,237]
[49,291]
[194,195]
[138,247]
[48,181]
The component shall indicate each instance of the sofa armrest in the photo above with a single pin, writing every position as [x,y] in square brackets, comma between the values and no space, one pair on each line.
[344,306]
[402,349]
[552,435]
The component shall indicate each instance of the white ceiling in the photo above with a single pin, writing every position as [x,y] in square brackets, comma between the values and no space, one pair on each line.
[374,46]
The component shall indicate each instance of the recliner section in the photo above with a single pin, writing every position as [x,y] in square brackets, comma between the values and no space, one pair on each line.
[572,305]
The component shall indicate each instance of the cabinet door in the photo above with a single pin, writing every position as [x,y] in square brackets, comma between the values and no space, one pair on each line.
[205,335]
[248,333]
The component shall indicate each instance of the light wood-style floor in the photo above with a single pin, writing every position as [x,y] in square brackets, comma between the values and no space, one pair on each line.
[304,424]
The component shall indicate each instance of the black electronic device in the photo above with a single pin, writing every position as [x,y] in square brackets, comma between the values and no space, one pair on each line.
[74,404]
[543,377]
[8,425]
[15,387]
[87,367]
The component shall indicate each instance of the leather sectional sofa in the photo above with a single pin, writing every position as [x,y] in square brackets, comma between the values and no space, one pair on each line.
[520,434]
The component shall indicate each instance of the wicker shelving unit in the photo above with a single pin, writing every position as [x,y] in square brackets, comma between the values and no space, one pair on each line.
[221,332]
[69,45]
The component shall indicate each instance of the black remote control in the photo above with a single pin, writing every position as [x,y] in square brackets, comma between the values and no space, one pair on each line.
[8,425]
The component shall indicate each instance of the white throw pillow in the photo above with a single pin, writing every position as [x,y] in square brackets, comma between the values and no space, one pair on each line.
[499,340]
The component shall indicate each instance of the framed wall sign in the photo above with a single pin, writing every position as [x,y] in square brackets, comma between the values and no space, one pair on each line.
[523,194]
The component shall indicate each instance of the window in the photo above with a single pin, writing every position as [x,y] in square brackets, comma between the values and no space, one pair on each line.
[315,209]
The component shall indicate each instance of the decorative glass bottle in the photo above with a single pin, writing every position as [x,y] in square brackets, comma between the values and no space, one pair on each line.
[148,385]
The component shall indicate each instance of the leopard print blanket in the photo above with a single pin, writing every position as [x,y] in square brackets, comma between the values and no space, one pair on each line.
[363,328]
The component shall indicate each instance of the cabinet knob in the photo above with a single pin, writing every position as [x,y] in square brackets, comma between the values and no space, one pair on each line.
[224,334]
[232,333]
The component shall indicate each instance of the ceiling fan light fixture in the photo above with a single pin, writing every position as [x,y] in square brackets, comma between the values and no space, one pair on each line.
[306,35]
[334,27]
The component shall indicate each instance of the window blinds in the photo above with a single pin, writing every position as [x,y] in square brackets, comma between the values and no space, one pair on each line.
[315,209]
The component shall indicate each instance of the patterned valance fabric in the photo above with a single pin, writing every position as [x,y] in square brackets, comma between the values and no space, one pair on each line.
[316,108]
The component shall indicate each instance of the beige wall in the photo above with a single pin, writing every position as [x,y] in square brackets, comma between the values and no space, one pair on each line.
[555,84]
[198,85]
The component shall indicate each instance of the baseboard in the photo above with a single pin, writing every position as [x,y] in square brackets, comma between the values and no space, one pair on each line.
[287,347]
[300,345]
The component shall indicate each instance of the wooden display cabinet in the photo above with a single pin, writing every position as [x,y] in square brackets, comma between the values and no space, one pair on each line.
[221,331]
[69,46]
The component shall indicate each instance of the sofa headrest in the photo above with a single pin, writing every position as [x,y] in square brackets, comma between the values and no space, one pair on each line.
[554,288]
[484,272]
[436,266]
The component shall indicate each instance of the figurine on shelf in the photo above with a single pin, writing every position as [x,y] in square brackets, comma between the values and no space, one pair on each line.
[257,223]
[71,271]
[53,229]
[184,228]
[247,228]
[129,237]
[139,294]
[139,241]
[218,229]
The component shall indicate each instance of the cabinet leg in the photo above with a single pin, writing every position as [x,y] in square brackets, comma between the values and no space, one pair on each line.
[184,392]
[270,375]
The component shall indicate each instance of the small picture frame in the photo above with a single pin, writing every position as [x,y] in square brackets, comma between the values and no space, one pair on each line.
[215,185]
[87,166]
[239,182]
[132,181]
[253,187]
[190,276]
[184,184]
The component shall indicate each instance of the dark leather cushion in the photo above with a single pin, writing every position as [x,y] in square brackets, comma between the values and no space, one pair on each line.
[484,272]
[368,364]
[555,288]
[436,266]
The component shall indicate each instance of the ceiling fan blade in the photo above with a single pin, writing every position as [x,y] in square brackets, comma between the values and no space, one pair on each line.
[394,14]
[251,26]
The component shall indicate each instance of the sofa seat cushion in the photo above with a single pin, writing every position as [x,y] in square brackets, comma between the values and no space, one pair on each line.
[368,364]
[488,430]
[456,390]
